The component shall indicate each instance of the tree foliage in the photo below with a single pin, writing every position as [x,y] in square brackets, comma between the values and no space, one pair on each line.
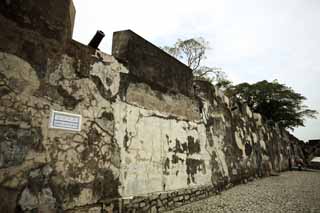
[192,52]
[276,102]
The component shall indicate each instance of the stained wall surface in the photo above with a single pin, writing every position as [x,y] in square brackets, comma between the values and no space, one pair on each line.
[151,138]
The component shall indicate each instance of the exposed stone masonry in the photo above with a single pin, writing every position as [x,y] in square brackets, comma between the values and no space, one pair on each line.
[151,138]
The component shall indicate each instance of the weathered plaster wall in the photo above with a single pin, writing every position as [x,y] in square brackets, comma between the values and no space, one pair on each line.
[159,152]
[172,141]
[55,168]
[41,69]
[151,138]
[169,159]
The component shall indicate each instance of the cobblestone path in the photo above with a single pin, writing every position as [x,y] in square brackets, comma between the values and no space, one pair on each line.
[295,191]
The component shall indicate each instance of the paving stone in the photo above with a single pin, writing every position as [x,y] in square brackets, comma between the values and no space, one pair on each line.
[290,192]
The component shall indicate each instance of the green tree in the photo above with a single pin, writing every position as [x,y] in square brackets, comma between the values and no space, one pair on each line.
[276,102]
[192,52]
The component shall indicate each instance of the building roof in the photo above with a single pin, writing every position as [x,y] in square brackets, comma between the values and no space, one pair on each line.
[316,160]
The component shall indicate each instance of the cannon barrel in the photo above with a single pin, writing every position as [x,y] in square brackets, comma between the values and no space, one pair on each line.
[96,40]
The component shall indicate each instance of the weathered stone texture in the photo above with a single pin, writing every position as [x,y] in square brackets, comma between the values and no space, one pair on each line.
[167,153]
[158,150]
[54,19]
[137,93]
[16,142]
[151,64]
[86,164]
[150,138]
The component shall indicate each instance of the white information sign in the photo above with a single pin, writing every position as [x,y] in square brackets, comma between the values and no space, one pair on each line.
[66,121]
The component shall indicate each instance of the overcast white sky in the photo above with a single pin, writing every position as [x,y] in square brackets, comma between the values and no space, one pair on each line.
[252,40]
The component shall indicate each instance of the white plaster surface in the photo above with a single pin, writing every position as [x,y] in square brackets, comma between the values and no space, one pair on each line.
[143,162]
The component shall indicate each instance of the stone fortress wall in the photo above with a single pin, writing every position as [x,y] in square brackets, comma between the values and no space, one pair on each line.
[151,137]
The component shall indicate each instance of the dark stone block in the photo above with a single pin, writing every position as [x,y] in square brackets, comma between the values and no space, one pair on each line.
[162,209]
[187,197]
[204,89]
[142,204]
[106,184]
[176,199]
[159,203]
[15,143]
[8,200]
[37,54]
[194,190]
[182,192]
[188,191]
[69,101]
[52,19]
[178,204]
[151,64]
[153,203]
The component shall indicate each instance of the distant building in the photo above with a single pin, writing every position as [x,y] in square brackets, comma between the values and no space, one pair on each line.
[311,151]
[314,142]
[315,163]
